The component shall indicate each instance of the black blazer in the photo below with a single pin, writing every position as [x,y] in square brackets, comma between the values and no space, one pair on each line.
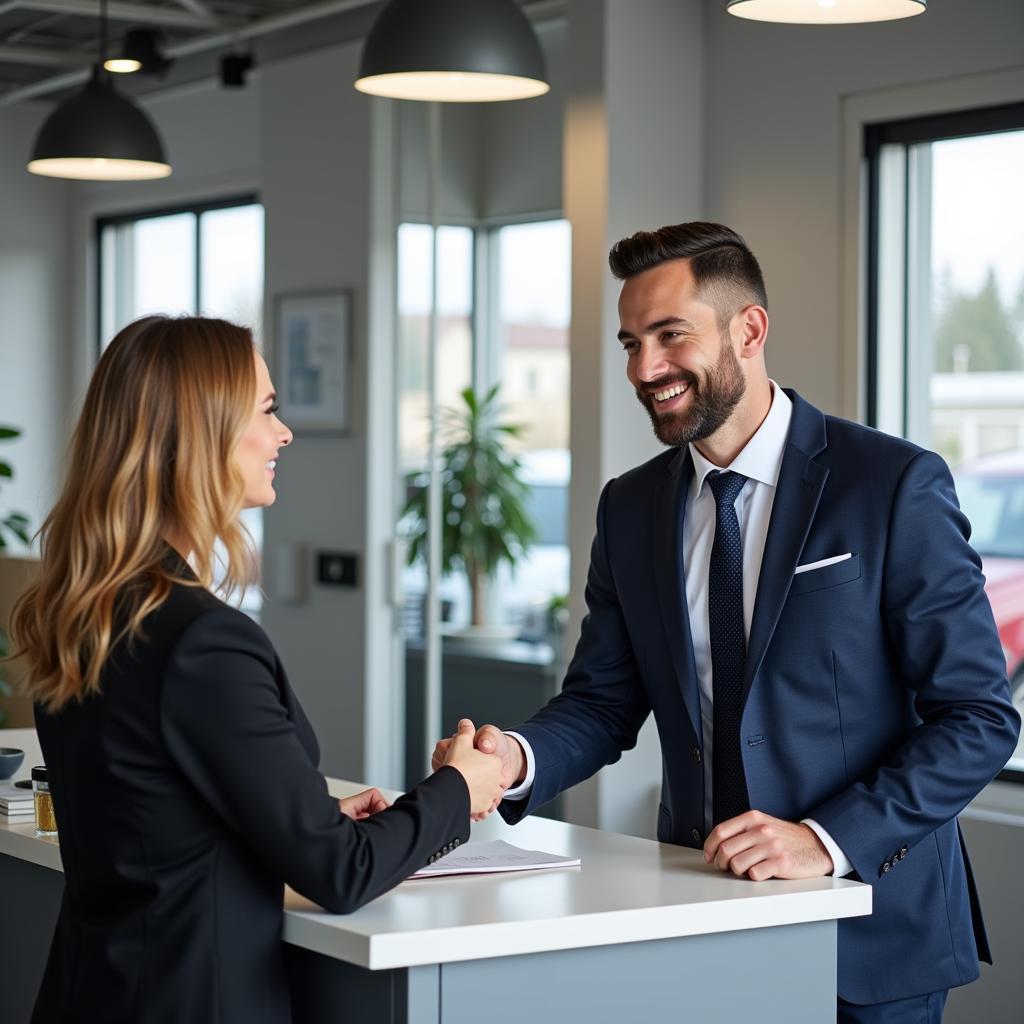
[186,794]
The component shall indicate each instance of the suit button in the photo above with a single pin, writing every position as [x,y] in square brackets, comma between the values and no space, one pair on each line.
[457,841]
[696,835]
[696,755]
[903,853]
[886,867]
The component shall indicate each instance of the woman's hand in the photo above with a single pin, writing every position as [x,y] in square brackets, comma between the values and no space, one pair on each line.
[482,772]
[362,805]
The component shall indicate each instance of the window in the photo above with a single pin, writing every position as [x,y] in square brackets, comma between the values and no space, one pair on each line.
[204,259]
[946,326]
[503,307]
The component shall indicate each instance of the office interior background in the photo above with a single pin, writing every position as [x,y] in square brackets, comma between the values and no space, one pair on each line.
[876,171]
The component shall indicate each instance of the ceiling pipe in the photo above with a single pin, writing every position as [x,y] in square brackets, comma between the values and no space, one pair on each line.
[537,11]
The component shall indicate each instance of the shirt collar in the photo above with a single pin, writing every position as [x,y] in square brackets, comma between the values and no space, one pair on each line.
[761,457]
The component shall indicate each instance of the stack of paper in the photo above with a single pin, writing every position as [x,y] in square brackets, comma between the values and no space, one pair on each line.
[15,803]
[478,858]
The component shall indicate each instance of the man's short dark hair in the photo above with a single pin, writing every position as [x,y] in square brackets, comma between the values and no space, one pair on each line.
[726,271]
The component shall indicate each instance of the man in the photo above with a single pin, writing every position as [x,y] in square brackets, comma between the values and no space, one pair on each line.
[794,597]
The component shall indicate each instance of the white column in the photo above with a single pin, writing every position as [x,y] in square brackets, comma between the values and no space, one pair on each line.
[632,161]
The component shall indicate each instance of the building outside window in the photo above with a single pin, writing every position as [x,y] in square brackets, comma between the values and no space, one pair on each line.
[504,318]
[946,327]
[204,260]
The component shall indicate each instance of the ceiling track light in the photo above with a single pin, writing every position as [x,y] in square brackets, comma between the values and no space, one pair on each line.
[825,12]
[452,51]
[141,51]
[99,135]
[234,68]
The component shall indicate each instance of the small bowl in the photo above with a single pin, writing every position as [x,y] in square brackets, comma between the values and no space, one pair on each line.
[10,761]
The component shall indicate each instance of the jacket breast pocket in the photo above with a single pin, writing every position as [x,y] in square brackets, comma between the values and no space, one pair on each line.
[827,576]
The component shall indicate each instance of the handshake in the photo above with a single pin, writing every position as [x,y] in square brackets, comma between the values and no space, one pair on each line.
[487,759]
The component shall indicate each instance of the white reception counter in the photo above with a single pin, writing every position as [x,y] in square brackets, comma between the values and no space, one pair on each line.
[638,925]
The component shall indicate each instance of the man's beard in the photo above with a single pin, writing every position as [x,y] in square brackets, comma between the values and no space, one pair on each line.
[711,402]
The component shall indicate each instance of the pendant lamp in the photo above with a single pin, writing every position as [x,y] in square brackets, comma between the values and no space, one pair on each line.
[452,51]
[825,12]
[99,135]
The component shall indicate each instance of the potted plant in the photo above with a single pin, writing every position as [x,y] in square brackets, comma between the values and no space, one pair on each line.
[483,497]
[13,524]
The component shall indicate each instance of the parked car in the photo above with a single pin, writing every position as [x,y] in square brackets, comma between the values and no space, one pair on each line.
[991,492]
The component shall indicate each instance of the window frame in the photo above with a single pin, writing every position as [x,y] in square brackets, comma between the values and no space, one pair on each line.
[197,209]
[907,132]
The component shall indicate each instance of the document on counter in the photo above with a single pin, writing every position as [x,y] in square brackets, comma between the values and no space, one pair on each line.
[479,858]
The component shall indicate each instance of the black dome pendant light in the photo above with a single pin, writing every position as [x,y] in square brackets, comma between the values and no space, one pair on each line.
[825,12]
[452,51]
[99,135]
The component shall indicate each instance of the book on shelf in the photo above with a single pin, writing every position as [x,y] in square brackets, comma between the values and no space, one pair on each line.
[14,798]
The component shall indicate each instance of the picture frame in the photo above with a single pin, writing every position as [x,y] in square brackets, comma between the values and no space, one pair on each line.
[313,360]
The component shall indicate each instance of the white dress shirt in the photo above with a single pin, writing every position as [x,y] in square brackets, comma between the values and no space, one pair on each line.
[760,462]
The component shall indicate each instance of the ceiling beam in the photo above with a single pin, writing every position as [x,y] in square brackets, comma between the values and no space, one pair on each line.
[116,11]
[197,7]
[41,58]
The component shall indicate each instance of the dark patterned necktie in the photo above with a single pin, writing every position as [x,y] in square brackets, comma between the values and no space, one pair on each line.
[728,648]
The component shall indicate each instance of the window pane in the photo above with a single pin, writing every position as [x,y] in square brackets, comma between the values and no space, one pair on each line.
[231,275]
[164,266]
[964,347]
[455,336]
[534,268]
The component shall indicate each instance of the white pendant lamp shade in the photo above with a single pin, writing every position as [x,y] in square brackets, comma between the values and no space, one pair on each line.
[100,136]
[452,51]
[825,12]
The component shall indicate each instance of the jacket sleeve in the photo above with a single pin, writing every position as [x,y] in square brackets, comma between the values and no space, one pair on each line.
[946,648]
[603,703]
[228,730]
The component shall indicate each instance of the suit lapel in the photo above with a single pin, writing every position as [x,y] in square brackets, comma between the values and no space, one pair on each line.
[669,505]
[801,481]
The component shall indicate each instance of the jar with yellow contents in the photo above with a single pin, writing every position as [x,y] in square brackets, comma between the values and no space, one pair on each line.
[46,820]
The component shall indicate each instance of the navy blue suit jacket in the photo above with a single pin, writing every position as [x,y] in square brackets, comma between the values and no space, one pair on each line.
[876,699]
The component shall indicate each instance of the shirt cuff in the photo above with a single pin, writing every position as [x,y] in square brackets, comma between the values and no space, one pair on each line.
[522,791]
[840,864]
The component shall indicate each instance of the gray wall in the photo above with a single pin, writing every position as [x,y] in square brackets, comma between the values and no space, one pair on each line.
[315,184]
[34,317]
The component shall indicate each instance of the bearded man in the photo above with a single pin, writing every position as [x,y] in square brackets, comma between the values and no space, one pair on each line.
[794,597]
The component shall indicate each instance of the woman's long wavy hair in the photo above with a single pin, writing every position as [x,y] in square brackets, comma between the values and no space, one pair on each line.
[152,458]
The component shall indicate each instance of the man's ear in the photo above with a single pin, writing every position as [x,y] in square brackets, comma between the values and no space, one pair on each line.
[749,328]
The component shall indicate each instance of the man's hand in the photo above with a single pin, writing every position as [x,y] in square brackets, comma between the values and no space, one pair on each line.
[757,846]
[362,805]
[491,740]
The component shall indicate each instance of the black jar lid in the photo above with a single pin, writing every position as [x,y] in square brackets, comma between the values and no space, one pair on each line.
[39,774]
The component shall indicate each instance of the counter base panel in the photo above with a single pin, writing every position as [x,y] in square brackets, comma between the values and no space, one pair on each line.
[780,975]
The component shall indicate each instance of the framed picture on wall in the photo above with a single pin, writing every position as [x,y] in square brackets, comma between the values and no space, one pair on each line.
[313,357]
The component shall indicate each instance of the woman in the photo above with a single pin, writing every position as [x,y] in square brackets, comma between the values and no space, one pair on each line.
[182,767]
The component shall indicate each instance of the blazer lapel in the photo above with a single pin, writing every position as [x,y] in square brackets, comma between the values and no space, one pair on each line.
[669,505]
[801,481]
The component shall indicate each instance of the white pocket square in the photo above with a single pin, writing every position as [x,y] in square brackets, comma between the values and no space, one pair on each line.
[821,564]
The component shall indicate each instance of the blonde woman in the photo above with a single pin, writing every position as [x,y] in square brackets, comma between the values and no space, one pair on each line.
[182,767]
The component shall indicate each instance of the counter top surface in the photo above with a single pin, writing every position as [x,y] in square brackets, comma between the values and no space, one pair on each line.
[626,890]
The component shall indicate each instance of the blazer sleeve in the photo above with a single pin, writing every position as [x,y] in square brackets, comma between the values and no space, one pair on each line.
[603,703]
[945,646]
[228,730]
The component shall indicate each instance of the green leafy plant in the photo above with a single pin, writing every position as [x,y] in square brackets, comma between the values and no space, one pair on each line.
[483,496]
[14,523]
